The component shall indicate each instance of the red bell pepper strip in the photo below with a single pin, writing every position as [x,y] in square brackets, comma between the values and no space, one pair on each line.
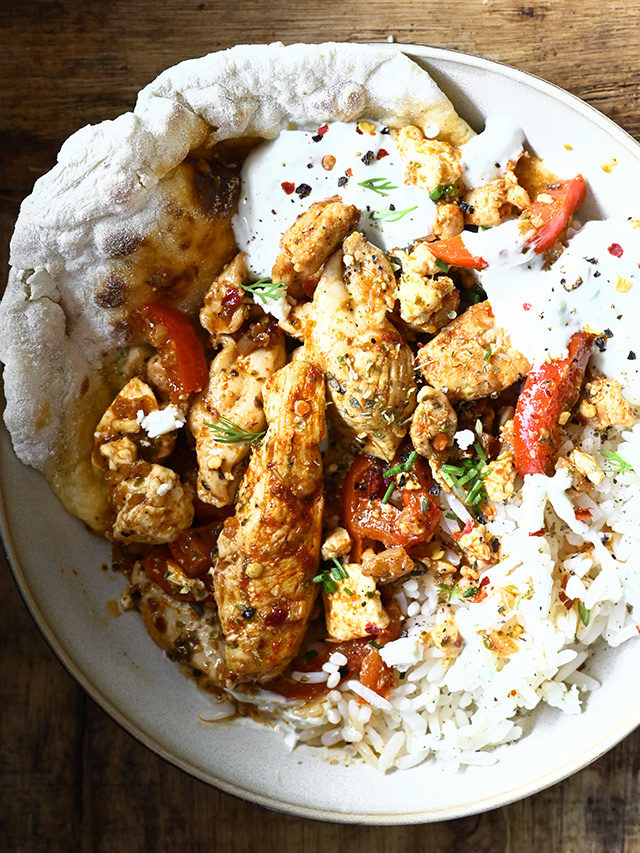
[454,252]
[550,218]
[182,355]
[549,390]
[366,517]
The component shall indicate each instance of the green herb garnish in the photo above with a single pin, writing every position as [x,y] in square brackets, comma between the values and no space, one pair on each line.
[265,289]
[382,186]
[392,215]
[448,190]
[338,570]
[616,459]
[469,593]
[374,644]
[585,615]
[229,432]
[328,583]
[442,265]
[450,591]
[402,467]
[388,493]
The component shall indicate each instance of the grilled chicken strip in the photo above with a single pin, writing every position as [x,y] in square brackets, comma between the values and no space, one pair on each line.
[150,502]
[368,364]
[471,357]
[226,306]
[307,244]
[268,552]
[236,381]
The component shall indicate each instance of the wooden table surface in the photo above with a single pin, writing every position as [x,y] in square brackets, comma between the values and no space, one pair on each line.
[70,778]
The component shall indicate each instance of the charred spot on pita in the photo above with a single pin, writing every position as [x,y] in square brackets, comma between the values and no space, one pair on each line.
[112,293]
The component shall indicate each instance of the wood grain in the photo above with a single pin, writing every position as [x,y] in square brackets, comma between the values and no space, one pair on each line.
[70,779]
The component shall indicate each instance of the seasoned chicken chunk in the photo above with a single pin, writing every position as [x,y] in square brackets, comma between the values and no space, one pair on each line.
[354,609]
[584,469]
[368,364]
[387,565]
[268,551]
[314,236]
[477,548]
[471,357]
[150,503]
[428,299]
[190,635]
[430,162]
[604,404]
[226,306]
[434,423]
[234,392]
[500,473]
[496,201]
[449,221]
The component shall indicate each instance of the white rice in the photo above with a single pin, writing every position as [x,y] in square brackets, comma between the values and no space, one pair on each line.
[456,710]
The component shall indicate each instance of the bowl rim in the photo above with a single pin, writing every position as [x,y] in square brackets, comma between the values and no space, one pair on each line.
[530,787]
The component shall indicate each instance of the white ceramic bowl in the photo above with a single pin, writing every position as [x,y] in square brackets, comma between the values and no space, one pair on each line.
[57,567]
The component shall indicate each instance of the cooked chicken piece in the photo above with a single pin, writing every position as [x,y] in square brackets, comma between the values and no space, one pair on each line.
[500,477]
[158,377]
[189,634]
[368,364]
[471,357]
[387,565]
[354,609]
[430,163]
[496,201]
[337,544]
[433,424]
[502,642]
[150,502]
[584,469]
[226,306]
[604,404]
[314,236]
[428,299]
[477,547]
[449,221]
[268,551]
[446,637]
[234,392]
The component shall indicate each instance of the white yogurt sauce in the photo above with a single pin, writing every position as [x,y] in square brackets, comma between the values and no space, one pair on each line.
[588,286]
[266,210]
[485,156]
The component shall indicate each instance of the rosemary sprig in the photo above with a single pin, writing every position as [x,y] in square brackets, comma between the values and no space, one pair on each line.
[392,215]
[382,186]
[265,289]
[229,432]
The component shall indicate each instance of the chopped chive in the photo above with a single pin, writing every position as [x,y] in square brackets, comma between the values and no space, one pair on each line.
[319,578]
[374,644]
[329,585]
[425,505]
[396,469]
[447,478]
[585,615]
[469,593]
[488,354]
[436,193]
[335,571]
[339,568]
[388,493]
[348,591]
[442,265]
[480,451]
[452,516]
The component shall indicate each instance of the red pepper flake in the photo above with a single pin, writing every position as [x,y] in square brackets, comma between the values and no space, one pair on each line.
[349,171]
[538,532]
[288,187]
[564,599]
[582,514]
[382,153]
[467,528]
[526,306]
[358,130]
[638,628]
[370,628]
[483,582]
[616,250]
[322,130]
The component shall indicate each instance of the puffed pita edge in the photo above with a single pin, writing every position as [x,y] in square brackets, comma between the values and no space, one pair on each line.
[52,339]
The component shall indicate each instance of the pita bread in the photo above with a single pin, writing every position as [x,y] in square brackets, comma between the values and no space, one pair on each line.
[139,208]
